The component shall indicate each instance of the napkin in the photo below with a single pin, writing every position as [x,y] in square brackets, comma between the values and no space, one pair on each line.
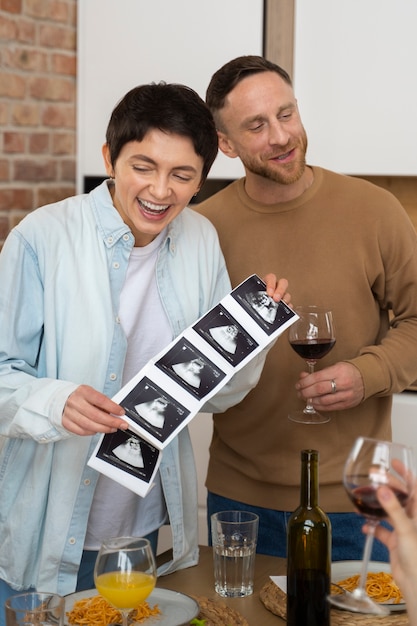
[280,581]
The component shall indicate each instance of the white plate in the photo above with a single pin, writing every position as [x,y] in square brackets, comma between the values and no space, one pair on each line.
[345,569]
[176,608]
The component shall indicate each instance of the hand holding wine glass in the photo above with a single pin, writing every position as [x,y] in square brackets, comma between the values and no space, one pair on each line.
[125,573]
[312,337]
[372,463]
[401,542]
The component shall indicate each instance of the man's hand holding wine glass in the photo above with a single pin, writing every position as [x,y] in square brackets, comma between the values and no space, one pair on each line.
[348,393]
[312,337]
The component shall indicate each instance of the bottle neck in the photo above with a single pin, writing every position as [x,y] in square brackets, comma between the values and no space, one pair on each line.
[309,478]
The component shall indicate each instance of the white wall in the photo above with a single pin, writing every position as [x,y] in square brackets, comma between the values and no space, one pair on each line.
[404,420]
[123,43]
[355,79]
[201,428]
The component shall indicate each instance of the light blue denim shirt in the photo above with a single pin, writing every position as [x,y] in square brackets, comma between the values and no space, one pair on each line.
[61,272]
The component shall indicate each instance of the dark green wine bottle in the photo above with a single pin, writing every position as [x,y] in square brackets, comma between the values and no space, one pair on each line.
[308,552]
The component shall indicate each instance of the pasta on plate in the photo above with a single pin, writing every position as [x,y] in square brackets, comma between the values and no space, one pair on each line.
[96,611]
[380,586]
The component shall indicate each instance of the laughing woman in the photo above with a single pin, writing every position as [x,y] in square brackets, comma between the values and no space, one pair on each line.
[91,288]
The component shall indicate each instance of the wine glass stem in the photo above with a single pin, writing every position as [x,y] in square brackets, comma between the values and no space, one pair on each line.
[367,554]
[125,615]
[309,408]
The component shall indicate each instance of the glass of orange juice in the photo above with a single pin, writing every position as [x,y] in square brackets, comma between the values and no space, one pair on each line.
[125,573]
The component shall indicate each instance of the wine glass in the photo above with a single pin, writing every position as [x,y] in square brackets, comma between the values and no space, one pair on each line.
[312,337]
[125,573]
[370,464]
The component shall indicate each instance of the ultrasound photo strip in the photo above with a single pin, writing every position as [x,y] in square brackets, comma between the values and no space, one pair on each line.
[176,384]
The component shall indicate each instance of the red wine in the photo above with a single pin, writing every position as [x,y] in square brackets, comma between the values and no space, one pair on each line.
[312,349]
[307,603]
[365,500]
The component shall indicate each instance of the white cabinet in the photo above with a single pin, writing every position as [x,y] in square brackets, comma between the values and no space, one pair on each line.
[353,73]
[404,420]
[124,43]
[356,83]
[201,428]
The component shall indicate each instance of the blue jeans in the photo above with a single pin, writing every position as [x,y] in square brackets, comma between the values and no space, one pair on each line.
[347,536]
[85,579]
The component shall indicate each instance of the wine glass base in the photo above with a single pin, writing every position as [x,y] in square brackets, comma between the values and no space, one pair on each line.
[358,603]
[304,417]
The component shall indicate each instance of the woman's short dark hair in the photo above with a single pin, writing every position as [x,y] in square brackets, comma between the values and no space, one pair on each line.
[227,77]
[171,108]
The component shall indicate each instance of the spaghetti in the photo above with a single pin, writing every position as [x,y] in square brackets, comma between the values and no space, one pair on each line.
[96,611]
[380,586]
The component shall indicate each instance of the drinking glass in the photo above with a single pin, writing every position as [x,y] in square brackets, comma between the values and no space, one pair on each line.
[125,573]
[34,608]
[234,535]
[312,337]
[370,464]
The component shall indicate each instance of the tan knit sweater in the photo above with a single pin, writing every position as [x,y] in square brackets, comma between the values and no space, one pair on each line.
[350,246]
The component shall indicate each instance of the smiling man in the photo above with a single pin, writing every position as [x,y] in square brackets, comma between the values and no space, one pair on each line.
[342,243]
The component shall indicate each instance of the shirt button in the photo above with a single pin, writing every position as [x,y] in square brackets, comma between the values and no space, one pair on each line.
[126,237]
[116,265]
[109,239]
[113,376]
[87,482]
[72,540]
[117,319]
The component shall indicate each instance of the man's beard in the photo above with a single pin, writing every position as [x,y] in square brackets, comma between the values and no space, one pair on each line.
[285,174]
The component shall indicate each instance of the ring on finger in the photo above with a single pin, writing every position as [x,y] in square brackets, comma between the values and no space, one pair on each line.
[333,384]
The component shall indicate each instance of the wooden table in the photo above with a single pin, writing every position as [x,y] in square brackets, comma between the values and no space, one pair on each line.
[199,581]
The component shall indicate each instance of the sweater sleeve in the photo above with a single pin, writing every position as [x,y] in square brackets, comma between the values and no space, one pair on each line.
[391,365]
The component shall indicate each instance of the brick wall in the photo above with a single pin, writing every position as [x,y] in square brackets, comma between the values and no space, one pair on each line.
[37,105]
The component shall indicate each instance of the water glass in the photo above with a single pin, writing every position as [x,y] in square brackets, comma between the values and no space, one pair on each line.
[35,609]
[234,537]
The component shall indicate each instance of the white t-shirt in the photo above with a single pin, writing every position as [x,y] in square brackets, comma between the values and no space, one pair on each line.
[117,511]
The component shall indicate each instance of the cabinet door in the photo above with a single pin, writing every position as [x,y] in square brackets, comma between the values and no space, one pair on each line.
[123,43]
[356,83]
